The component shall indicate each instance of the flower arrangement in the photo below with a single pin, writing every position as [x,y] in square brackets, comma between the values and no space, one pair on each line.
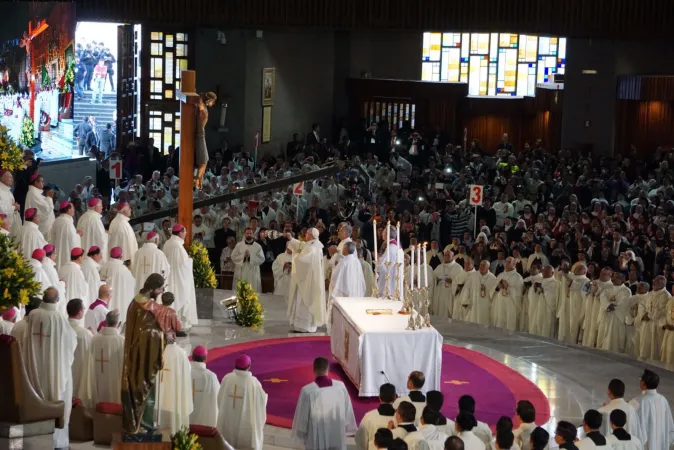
[11,156]
[46,81]
[204,275]
[17,280]
[249,310]
[27,132]
[183,440]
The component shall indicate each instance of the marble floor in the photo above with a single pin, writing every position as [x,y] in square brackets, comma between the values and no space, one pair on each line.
[573,378]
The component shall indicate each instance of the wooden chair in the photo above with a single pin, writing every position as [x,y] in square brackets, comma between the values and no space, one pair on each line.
[107,421]
[81,428]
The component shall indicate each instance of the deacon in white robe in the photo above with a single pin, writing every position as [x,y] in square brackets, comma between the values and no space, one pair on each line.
[248,257]
[655,415]
[377,418]
[35,198]
[90,224]
[174,398]
[281,268]
[104,364]
[458,311]
[95,316]
[36,265]
[121,233]
[242,406]
[324,413]
[445,274]
[563,300]
[614,308]
[30,237]
[148,260]
[507,297]
[307,307]
[347,277]
[8,205]
[49,267]
[593,307]
[205,387]
[181,278]
[388,264]
[633,304]
[476,296]
[79,368]
[72,276]
[576,311]
[651,317]
[544,295]
[616,390]
[91,271]
[528,304]
[63,235]
[344,231]
[49,349]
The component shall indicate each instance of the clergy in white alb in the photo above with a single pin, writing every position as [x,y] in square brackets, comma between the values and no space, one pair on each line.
[30,237]
[174,398]
[667,351]
[205,387]
[8,205]
[507,297]
[620,438]
[281,269]
[528,304]
[181,279]
[148,260]
[593,307]
[49,352]
[427,436]
[324,414]
[655,415]
[650,319]
[634,303]
[443,295]
[368,273]
[90,224]
[120,279]
[247,257]
[76,310]
[544,294]
[94,318]
[347,277]
[36,198]
[307,307]
[344,231]
[563,299]
[242,406]
[377,418]
[614,308]
[49,267]
[63,235]
[72,276]
[576,310]
[387,264]
[121,234]
[91,270]
[477,293]
[104,364]
[616,392]
[37,257]
[458,311]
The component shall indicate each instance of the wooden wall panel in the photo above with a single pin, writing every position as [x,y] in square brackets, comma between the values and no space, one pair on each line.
[647,125]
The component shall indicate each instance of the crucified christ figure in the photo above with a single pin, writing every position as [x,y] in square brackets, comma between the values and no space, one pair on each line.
[200,151]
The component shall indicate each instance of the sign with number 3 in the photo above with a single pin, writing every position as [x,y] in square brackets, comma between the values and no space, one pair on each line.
[475,195]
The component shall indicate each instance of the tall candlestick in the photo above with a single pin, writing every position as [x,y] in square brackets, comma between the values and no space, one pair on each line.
[419,266]
[398,234]
[412,268]
[388,236]
[425,268]
[374,224]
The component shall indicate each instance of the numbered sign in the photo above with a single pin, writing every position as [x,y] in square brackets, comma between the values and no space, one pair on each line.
[298,188]
[476,195]
[116,169]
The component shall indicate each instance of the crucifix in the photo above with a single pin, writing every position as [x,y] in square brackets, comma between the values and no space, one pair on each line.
[194,388]
[41,334]
[102,360]
[234,397]
[145,264]
[26,42]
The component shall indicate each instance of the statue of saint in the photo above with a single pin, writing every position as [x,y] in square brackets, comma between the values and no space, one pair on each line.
[200,150]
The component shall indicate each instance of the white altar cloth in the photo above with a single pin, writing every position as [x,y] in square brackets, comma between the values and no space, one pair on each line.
[366,344]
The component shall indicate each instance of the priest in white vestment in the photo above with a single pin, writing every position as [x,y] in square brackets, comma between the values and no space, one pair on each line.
[307,307]
[90,224]
[616,392]
[614,309]
[79,369]
[347,277]
[324,413]
[174,398]
[91,271]
[344,231]
[667,351]
[593,307]
[281,269]
[393,255]
[576,310]
[121,233]
[528,304]
[443,295]
[205,387]
[458,311]
[95,316]
[35,263]
[544,294]
[634,303]
[181,278]
[655,415]
[49,267]
[104,364]
[563,300]
[122,284]
[477,293]
[368,273]
[49,352]
[36,198]
[377,418]
[242,406]
[63,235]
[30,237]
[72,276]
[248,256]
[148,260]
[650,319]
[8,205]
[508,297]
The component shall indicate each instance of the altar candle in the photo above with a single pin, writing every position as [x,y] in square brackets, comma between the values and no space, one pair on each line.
[374,224]
[425,268]
[419,266]
[412,268]
[388,235]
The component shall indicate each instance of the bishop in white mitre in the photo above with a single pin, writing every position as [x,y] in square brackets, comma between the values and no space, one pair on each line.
[49,267]
[281,269]
[181,279]
[64,236]
[528,304]
[121,233]
[307,307]
[104,364]
[508,299]
[651,317]
[35,263]
[174,399]
[50,344]
[614,310]
[95,316]
[443,295]
[593,307]
[248,257]
[92,229]
[387,264]
[148,260]
[476,296]
[120,279]
[30,237]
[544,294]
[205,387]
[458,311]
[576,309]
[91,270]
[655,414]
[324,413]
[8,206]
[72,276]
[76,311]
[35,198]
[242,406]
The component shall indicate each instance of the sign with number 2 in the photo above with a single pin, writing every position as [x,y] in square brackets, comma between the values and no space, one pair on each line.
[475,195]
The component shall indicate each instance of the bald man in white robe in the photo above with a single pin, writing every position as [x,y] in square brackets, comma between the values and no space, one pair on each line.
[507,297]
[545,296]
[476,296]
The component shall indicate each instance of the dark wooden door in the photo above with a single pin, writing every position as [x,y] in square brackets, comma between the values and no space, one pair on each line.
[128,87]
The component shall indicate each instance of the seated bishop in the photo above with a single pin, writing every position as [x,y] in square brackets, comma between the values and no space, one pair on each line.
[104,364]
[175,391]
[205,387]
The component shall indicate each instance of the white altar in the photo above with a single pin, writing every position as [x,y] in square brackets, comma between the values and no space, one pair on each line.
[373,346]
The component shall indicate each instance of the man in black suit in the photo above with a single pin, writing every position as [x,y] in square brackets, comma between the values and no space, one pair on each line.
[92,140]
[81,132]
[107,140]
[314,137]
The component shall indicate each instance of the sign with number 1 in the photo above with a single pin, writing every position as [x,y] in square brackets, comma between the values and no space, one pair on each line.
[475,195]
[116,169]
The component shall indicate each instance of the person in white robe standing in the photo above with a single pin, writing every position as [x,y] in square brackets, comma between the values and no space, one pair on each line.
[205,387]
[650,319]
[616,392]
[148,260]
[8,320]
[30,237]
[477,293]
[528,305]
[307,308]
[104,364]
[75,310]
[377,418]
[248,256]
[368,273]
[49,349]
[445,274]
[458,311]
[667,351]
[64,236]
[576,311]
[174,398]
[347,278]
[507,297]
[19,330]
[120,279]
[427,436]
[121,233]
[94,318]
[43,202]
[242,406]
[181,278]
[544,295]
[393,255]
[91,271]
[36,265]
[614,308]
[324,413]
[593,307]
[72,276]
[563,300]
[336,254]
[8,205]
[49,267]
[90,224]
[621,439]
[281,269]
[655,415]
[635,303]
[593,439]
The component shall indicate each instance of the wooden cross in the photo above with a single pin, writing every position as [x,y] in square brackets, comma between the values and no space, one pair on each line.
[234,397]
[41,334]
[102,360]
[161,378]
[194,388]
[457,382]
[275,380]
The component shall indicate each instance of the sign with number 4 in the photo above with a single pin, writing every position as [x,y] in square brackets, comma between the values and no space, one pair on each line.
[116,169]
[475,195]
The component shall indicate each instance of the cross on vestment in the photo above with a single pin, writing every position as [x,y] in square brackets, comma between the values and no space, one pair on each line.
[234,397]
[102,361]
[41,334]
[194,388]
[145,264]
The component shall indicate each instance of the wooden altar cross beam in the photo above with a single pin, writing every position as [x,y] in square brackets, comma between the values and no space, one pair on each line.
[188,100]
